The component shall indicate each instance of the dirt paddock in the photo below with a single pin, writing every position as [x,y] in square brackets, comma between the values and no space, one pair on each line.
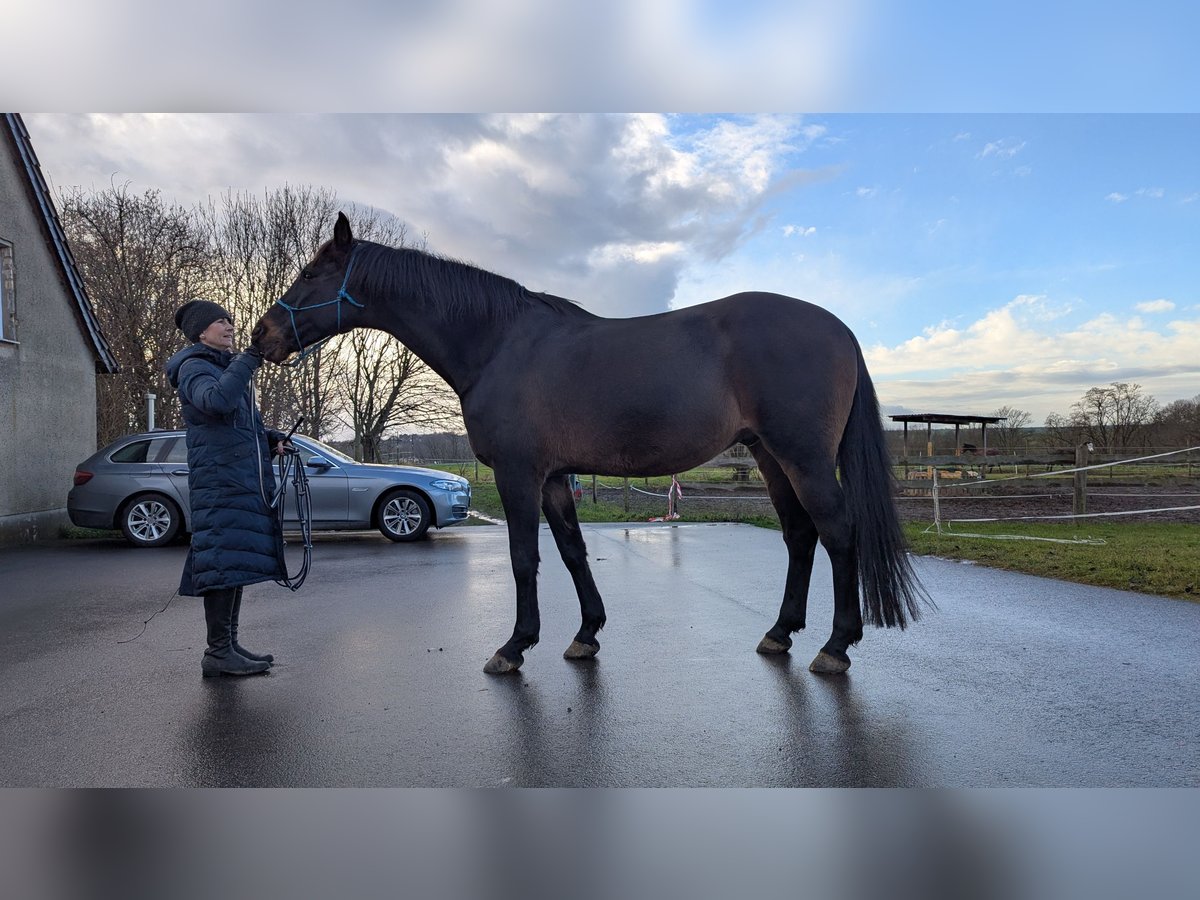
[1035,497]
[1044,498]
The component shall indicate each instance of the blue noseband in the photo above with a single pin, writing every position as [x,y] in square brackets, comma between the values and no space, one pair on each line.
[342,295]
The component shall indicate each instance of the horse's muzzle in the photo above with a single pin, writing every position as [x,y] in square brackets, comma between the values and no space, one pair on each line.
[267,339]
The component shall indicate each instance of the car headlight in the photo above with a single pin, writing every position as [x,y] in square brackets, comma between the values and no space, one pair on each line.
[448,485]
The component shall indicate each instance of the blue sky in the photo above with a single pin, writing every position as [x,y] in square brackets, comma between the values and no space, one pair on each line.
[983,260]
[1017,259]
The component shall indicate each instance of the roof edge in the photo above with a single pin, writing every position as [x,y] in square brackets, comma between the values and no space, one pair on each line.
[106,362]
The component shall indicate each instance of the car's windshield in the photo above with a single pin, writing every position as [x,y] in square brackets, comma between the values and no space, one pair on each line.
[327,451]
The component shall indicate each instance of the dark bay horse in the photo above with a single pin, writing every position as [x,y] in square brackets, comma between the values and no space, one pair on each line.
[548,389]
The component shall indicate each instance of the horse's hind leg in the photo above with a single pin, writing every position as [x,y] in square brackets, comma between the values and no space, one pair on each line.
[800,536]
[558,505]
[821,495]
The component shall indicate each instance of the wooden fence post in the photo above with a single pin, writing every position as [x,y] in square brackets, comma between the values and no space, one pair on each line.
[1079,507]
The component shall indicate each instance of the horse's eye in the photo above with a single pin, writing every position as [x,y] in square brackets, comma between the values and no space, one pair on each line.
[306,274]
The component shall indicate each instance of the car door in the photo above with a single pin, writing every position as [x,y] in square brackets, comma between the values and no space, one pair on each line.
[175,465]
[327,488]
[142,463]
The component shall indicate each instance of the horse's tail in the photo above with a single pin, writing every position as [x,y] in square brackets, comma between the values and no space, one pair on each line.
[891,592]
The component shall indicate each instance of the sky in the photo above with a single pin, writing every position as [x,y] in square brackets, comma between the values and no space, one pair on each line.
[982,260]
[1016,255]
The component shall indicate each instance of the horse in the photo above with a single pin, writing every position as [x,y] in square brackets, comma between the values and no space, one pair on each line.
[548,390]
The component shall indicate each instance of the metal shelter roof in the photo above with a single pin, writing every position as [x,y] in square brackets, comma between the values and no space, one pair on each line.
[947,419]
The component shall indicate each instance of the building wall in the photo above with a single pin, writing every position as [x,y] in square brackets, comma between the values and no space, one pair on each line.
[47,378]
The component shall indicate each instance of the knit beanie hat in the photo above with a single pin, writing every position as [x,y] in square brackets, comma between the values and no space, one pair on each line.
[196,315]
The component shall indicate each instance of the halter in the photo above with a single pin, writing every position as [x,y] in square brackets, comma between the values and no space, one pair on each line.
[305,352]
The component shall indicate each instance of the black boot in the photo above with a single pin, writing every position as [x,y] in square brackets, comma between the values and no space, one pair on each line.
[220,658]
[233,628]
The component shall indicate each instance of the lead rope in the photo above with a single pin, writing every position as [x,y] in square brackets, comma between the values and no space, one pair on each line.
[289,464]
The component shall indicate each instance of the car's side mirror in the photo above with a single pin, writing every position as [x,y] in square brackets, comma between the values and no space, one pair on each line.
[319,462]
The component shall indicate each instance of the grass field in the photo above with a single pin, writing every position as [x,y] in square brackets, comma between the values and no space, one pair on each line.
[1149,557]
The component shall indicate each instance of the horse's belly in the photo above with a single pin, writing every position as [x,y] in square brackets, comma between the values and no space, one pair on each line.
[630,446]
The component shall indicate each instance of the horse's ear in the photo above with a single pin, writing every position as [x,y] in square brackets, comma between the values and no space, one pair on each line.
[342,238]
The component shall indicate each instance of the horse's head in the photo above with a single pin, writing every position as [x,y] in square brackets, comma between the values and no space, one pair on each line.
[317,306]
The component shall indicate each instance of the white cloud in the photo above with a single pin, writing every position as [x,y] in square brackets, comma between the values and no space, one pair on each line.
[962,136]
[1024,354]
[1155,306]
[866,191]
[1145,193]
[1002,149]
[607,210]
[799,230]
[646,252]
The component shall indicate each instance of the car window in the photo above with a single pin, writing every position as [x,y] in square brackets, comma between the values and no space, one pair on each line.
[158,449]
[307,453]
[132,453]
[322,449]
[155,450]
[177,452]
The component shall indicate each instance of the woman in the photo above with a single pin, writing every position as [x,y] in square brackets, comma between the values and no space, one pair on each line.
[236,538]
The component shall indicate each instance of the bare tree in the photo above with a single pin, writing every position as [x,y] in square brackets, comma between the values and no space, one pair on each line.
[1010,434]
[258,245]
[141,259]
[1178,423]
[1060,432]
[1115,417]
[384,385]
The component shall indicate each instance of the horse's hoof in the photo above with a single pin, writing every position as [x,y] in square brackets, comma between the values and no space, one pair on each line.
[771,646]
[825,664]
[580,650]
[500,665]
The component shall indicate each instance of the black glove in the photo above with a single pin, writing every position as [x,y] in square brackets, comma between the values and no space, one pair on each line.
[253,356]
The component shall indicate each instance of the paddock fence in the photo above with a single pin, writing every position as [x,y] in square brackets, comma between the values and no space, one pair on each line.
[946,491]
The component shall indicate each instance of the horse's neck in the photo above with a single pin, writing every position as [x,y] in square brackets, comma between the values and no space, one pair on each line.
[457,348]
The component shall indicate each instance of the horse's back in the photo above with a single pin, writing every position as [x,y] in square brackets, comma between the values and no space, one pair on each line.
[783,337]
[772,311]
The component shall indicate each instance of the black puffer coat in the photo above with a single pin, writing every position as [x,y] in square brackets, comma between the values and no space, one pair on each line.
[235,536]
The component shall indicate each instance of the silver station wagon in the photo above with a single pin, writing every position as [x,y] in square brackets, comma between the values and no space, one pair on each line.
[139,484]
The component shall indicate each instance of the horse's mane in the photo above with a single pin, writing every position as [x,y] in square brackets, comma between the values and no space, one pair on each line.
[458,290]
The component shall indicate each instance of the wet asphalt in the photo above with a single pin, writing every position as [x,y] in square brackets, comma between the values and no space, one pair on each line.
[1014,681]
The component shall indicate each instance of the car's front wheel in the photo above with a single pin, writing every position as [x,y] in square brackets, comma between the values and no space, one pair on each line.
[151,520]
[404,516]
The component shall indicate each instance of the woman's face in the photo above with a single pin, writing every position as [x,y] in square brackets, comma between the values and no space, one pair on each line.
[218,335]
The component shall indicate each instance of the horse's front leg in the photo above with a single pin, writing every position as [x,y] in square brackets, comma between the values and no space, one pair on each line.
[520,494]
[558,505]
